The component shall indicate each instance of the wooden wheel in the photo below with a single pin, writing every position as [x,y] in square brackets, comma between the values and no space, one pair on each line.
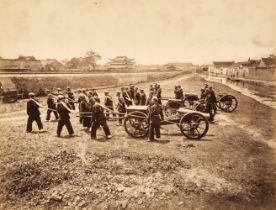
[228,103]
[194,125]
[136,124]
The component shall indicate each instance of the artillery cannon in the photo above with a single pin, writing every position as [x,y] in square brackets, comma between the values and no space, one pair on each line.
[224,102]
[192,124]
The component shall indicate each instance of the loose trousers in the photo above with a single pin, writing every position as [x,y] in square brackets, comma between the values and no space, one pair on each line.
[96,125]
[49,114]
[154,128]
[30,121]
[67,124]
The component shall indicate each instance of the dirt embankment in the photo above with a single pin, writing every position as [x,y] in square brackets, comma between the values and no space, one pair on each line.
[233,167]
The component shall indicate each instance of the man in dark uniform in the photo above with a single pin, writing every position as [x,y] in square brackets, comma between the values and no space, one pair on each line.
[213,98]
[121,107]
[84,112]
[51,107]
[131,92]
[178,92]
[143,98]
[209,104]
[125,95]
[98,119]
[149,99]
[155,116]
[64,119]
[71,97]
[158,93]
[33,113]
[108,102]
[136,96]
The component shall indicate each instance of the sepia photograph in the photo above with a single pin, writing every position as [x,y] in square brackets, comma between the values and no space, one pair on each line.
[138,104]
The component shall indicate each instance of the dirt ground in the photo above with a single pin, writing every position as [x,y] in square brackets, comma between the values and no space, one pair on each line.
[232,167]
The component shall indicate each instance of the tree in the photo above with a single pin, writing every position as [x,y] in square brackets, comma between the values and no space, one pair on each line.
[74,63]
[90,59]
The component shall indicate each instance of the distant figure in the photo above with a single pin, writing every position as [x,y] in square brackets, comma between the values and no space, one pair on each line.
[178,92]
[121,107]
[33,113]
[125,95]
[143,98]
[84,112]
[99,119]
[209,104]
[71,97]
[149,99]
[64,119]
[155,116]
[51,107]
[136,96]
[108,102]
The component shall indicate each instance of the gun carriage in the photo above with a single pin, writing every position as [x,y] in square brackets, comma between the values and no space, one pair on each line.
[224,102]
[192,124]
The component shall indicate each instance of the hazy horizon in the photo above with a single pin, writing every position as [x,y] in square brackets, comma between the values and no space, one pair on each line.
[149,31]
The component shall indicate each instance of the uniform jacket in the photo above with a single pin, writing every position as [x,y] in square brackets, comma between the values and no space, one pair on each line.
[155,114]
[32,108]
[63,112]
[143,99]
[137,98]
[121,106]
[51,103]
[108,102]
[98,113]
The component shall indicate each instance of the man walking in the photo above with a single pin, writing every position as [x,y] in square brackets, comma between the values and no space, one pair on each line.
[99,119]
[51,107]
[33,113]
[64,119]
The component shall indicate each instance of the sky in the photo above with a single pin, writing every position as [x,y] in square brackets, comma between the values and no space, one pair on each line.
[150,31]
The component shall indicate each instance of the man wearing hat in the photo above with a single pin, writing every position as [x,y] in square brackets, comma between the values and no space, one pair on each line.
[209,103]
[51,107]
[121,107]
[154,117]
[71,97]
[125,95]
[64,119]
[143,98]
[137,96]
[33,113]
[98,119]
[108,102]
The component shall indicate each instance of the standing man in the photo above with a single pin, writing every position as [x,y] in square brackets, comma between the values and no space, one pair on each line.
[84,113]
[125,95]
[98,119]
[136,96]
[209,104]
[51,107]
[158,93]
[64,119]
[108,102]
[155,116]
[33,113]
[71,97]
[143,98]
[121,107]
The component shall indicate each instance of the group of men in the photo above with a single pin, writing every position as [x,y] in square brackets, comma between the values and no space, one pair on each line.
[208,94]
[92,113]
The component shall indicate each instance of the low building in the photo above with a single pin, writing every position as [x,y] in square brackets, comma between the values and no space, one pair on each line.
[220,68]
[121,62]
[21,63]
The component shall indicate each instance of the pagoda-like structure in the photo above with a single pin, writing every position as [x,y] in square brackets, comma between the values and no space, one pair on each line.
[121,62]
